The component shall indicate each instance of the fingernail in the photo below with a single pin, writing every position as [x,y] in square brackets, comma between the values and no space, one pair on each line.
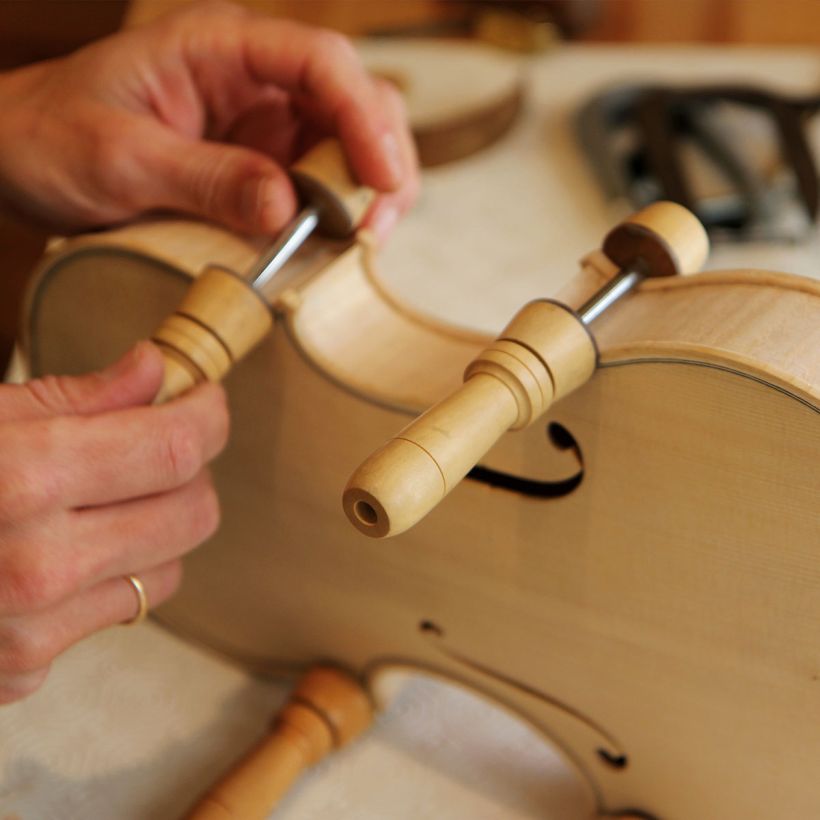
[383,222]
[126,363]
[392,156]
[251,201]
[267,205]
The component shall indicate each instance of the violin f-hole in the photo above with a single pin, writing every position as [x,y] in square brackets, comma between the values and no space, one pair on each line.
[561,439]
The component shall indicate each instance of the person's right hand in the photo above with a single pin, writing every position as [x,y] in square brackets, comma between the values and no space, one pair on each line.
[94,486]
[199,112]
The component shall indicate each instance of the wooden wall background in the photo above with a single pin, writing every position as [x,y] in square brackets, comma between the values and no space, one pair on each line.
[712,21]
[38,29]
[716,21]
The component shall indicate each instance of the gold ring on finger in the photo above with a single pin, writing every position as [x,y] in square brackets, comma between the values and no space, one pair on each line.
[142,600]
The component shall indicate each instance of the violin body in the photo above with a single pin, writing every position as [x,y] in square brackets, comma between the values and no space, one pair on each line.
[638,576]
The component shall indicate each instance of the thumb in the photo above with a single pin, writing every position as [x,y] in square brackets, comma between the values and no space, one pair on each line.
[133,380]
[237,187]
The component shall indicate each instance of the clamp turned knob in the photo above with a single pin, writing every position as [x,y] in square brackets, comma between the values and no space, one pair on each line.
[544,353]
[664,239]
[323,178]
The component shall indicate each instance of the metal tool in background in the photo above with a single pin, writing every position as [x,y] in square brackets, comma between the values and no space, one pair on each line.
[738,157]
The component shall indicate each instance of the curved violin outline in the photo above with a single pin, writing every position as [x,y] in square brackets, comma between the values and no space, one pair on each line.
[616,759]
[608,751]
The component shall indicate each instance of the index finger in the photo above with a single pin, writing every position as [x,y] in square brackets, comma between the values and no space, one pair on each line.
[87,461]
[323,66]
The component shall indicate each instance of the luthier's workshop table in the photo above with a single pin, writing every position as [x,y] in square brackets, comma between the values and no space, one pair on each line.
[133,723]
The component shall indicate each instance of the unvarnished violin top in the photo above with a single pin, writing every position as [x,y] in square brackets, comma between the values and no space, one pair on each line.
[768,322]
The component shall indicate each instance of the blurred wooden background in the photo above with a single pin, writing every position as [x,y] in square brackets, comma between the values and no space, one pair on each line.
[761,22]
[714,21]
[38,29]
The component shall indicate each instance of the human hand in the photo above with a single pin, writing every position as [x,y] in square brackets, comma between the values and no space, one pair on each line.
[95,486]
[198,112]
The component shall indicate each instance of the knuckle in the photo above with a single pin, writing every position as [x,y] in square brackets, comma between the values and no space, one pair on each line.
[24,650]
[27,490]
[206,512]
[113,171]
[21,686]
[203,182]
[102,150]
[52,393]
[335,47]
[15,503]
[213,175]
[181,453]
[31,582]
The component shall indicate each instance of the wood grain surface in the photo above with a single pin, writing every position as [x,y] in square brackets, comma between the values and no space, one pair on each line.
[663,570]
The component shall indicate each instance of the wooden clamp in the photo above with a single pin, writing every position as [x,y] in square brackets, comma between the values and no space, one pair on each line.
[327,710]
[222,317]
[545,352]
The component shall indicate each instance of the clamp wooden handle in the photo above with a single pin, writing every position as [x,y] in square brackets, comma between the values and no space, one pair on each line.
[544,353]
[222,318]
[327,710]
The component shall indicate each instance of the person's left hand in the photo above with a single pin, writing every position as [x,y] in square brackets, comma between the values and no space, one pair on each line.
[199,112]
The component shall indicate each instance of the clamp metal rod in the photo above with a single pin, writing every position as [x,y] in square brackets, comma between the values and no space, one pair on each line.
[273,258]
[620,284]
